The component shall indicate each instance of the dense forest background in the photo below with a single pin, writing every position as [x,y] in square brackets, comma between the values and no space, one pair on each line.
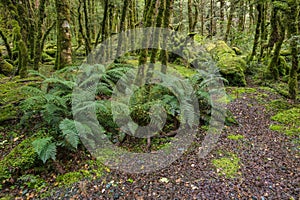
[253,47]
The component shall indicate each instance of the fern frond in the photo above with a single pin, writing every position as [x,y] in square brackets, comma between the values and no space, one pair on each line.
[70,132]
[36,73]
[45,148]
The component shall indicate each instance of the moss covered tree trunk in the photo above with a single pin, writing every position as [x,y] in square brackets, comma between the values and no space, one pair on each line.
[292,30]
[274,29]
[273,66]
[6,43]
[257,31]
[37,45]
[64,45]
[148,19]
[166,22]
[157,33]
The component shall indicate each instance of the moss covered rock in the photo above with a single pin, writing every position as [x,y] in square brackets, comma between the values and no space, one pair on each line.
[231,66]
[6,68]
[21,158]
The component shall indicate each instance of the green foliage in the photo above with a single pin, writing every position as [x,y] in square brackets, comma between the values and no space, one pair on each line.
[228,165]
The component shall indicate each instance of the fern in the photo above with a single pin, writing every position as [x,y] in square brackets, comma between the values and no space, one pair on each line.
[70,132]
[45,148]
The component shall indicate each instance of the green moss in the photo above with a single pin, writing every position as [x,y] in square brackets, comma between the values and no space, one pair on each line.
[228,165]
[11,93]
[51,52]
[276,127]
[21,158]
[235,137]
[7,197]
[221,49]
[72,177]
[238,91]
[288,117]
[184,71]
[278,105]
[32,181]
[47,58]
[237,51]
[289,122]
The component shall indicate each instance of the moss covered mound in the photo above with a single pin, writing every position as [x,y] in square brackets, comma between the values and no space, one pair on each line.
[231,66]
[11,94]
[288,122]
[21,158]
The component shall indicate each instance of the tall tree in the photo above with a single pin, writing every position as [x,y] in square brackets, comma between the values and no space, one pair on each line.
[64,45]
[292,31]
[37,45]
[166,23]
[257,30]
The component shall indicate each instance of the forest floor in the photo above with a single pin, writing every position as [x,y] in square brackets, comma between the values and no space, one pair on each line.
[250,161]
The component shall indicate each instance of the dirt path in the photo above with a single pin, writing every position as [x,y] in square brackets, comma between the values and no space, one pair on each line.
[269,166]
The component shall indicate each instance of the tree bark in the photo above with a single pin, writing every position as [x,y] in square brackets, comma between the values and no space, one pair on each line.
[64,45]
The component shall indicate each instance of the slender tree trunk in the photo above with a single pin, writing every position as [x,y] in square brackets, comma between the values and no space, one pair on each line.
[156,41]
[64,45]
[257,31]
[87,29]
[263,35]
[292,29]
[166,22]
[122,28]
[222,18]
[229,22]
